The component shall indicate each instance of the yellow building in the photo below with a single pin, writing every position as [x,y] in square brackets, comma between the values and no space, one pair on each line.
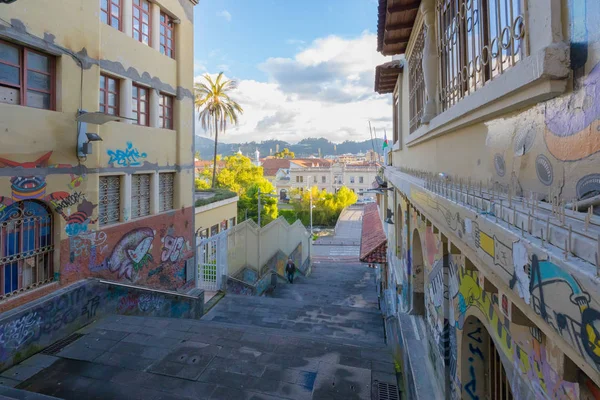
[96,155]
[214,215]
[490,194]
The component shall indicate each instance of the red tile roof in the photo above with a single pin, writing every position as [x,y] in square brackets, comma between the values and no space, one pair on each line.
[272,165]
[310,162]
[373,243]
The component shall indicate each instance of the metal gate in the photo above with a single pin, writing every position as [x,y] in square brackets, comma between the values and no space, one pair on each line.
[211,254]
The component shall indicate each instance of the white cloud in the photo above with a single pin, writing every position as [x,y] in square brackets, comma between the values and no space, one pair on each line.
[325,90]
[225,14]
[199,66]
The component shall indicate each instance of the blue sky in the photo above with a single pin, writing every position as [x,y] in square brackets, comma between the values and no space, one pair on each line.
[302,66]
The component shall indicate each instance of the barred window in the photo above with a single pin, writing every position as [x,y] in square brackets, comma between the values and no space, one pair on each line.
[416,81]
[109,207]
[165,191]
[478,40]
[140,195]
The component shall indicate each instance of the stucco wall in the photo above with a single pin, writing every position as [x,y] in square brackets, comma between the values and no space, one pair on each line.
[214,214]
[41,144]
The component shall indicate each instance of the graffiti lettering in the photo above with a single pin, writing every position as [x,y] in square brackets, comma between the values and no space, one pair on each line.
[89,308]
[131,253]
[471,386]
[150,302]
[20,331]
[66,202]
[172,248]
[128,157]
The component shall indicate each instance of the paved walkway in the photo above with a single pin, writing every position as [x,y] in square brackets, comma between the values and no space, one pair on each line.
[320,338]
[344,246]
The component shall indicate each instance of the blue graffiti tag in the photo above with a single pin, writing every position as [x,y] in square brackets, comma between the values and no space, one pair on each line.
[126,158]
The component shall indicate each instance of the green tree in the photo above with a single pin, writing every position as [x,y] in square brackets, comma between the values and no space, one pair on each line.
[327,206]
[216,109]
[249,201]
[285,153]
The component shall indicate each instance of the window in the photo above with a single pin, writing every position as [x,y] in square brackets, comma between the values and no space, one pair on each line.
[140,105]
[416,97]
[140,195]
[351,179]
[166,35]
[214,230]
[223,225]
[141,21]
[323,179]
[165,110]
[109,95]
[315,179]
[231,222]
[26,77]
[109,207]
[26,247]
[477,41]
[110,13]
[204,233]
[299,179]
[165,191]
[361,179]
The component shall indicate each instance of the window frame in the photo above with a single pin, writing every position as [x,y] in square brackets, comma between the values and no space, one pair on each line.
[169,26]
[136,193]
[162,193]
[120,199]
[135,87]
[106,92]
[23,72]
[141,22]
[162,107]
[110,4]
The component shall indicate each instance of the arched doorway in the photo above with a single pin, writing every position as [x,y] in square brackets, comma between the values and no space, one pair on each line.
[482,372]
[418,266]
[25,244]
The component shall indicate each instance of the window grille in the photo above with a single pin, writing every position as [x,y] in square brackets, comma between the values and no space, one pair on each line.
[26,247]
[477,41]
[140,195]
[499,387]
[165,191]
[416,81]
[109,207]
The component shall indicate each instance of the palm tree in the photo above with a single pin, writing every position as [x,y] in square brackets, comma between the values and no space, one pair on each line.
[215,108]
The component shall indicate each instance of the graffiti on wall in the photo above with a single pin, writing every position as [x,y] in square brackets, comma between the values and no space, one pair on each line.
[132,253]
[128,157]
[172,248]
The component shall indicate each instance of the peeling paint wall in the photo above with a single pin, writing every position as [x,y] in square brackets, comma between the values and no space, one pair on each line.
[38,158]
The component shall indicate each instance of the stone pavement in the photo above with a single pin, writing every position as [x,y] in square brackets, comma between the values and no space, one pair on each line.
[320,338]
[344,245]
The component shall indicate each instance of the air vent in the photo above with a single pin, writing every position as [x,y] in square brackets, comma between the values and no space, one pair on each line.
[386,391]
[56,347]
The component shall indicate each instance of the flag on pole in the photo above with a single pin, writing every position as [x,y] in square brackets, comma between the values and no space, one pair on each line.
[385,143]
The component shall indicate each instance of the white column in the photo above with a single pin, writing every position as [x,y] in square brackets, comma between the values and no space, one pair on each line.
[430,61]
[126,197]
[125,96]
[154,195]
[155,24]
[154,109]
[127,13]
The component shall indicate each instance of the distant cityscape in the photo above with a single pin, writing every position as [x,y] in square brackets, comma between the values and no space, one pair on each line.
[311,147]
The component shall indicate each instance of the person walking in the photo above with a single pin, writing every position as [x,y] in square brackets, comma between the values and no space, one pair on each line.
[290,270]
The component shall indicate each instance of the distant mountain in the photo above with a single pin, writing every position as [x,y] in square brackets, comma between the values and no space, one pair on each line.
[304,148]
